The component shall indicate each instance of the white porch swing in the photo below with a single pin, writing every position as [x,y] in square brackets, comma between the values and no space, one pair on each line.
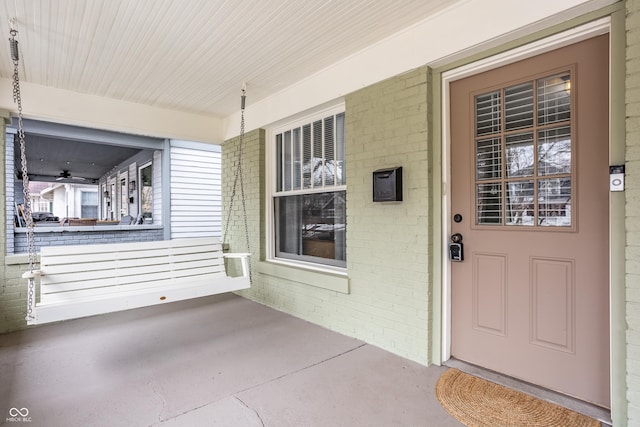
[86,280]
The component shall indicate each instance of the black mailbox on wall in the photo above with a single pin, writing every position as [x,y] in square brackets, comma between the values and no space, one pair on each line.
[387,185]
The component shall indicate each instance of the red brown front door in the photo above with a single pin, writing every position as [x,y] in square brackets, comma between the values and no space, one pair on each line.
[529,152]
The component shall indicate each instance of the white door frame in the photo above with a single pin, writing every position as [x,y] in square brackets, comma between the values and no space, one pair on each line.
[586,31]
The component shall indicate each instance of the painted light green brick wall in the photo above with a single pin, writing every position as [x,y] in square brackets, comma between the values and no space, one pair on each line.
[13,298]
[632,192]
[387,243]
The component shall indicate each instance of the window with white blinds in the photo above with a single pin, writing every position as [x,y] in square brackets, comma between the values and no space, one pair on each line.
[309,202]
[524,154]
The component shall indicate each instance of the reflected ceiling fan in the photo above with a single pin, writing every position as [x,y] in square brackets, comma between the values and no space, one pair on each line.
[65,174]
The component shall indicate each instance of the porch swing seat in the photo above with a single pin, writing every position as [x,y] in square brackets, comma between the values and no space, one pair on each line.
[86,280]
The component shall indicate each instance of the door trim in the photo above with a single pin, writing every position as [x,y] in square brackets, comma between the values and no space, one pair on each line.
[572,36]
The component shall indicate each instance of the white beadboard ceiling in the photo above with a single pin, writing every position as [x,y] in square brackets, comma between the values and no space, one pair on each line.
[193,55]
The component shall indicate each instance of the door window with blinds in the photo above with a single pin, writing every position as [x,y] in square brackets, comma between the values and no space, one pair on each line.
[524,154]
[310,191]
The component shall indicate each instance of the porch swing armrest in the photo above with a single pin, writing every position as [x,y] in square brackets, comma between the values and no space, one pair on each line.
[32,274]
[244,259]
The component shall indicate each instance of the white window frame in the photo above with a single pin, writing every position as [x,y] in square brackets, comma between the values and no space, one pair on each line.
[138,190]
[271,182]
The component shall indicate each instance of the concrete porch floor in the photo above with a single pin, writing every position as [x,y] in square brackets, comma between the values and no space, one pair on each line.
[217,361]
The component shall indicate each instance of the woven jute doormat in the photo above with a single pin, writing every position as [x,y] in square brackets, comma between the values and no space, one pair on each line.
[476,402]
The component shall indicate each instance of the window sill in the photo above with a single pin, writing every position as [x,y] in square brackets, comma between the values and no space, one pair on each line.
[70,228]
[18,259]
[325,279]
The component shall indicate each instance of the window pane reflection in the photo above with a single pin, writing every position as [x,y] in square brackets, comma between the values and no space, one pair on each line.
[312,225]
[520,159]
[554,202]
[518,104]
[554,151]
[489,203]
[488,159]
[554,99]
[520,203]
[488,113]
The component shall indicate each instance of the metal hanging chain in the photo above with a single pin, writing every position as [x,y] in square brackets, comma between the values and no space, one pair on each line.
[15,57]
[239,177]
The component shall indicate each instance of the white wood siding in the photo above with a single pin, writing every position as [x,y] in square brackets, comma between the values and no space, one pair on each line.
[196,197]
[156,171]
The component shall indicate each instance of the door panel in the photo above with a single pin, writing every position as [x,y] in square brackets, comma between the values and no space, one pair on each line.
[489,293]
[529,145]
[552,309]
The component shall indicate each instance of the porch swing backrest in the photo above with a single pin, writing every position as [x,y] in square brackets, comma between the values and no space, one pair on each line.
[84,280]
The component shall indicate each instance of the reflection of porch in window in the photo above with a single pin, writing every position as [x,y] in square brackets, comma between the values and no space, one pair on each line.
[312,225]
[71,199]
